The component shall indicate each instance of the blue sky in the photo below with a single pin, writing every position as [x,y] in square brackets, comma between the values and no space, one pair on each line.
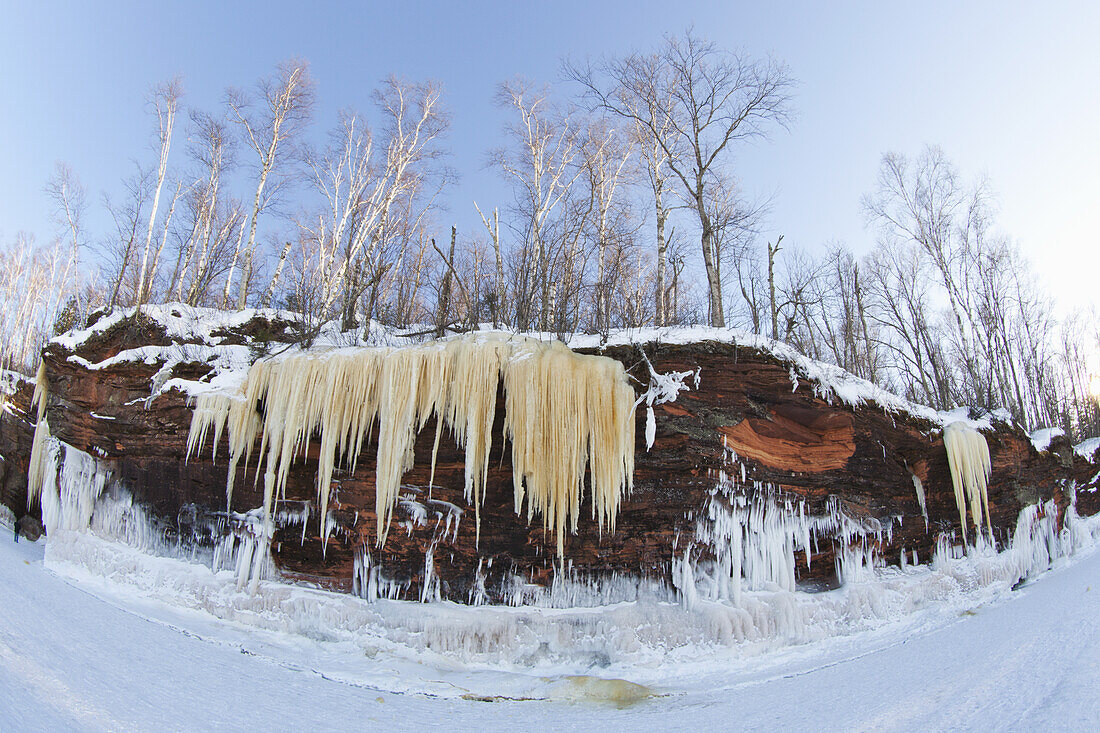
[1008,90]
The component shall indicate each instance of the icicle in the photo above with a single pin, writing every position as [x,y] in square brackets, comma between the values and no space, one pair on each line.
[39,464]
[209,410]
[362,583]
[561,411]
[66,480]
[564,412]
[41,390]
[429,589]
[754,535]
[478,594]
[968,459]
[685,580]
[919,488]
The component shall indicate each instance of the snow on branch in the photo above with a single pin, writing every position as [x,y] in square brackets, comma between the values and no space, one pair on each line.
[663,388]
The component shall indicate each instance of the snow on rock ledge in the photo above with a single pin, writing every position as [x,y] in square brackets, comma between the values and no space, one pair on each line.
[817,440]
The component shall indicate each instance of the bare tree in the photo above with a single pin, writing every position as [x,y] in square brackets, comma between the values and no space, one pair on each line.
[540,162]
[605,155]
[901,308]
[400,274]
[403,190]
[212,151]
[923,203]
[450,279]
[165,100]
[836,327]
[286,103]
[67,195]
[644,92]
[676,294]
[773,250]
[498,299]
[571,239]
[736,228]
[657,169]
[1075,387]
[35,283]
[374,194]
[695,100]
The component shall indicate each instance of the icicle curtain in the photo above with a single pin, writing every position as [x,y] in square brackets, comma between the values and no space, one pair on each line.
[564,413]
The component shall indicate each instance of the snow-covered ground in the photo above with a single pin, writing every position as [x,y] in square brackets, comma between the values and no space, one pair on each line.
[84,654]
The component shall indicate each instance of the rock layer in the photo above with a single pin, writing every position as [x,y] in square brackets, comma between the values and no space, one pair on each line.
[747,414]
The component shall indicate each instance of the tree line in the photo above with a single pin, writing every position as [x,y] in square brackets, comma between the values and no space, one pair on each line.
[625,211]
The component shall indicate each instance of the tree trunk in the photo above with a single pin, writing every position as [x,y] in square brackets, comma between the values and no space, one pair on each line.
[500,270]
[544,284]
[772,252]
[275,278]
[714,283]
[661,310]
[166,142]
[445,290]
[122,267]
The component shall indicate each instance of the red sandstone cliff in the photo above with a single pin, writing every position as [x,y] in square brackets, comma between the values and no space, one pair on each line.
[805,442]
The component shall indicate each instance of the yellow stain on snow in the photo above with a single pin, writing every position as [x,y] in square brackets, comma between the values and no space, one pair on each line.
[584,688]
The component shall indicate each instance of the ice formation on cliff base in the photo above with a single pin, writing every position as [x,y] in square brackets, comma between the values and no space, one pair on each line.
[621,639]
[751,536]
[631,621]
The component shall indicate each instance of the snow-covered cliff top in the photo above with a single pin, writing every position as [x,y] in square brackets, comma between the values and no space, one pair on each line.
[180,322]
[10,382]
[1087,448]
[192,330]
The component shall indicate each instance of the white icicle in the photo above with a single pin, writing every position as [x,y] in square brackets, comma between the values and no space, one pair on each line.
[564,412]
[968,459]
[918,487]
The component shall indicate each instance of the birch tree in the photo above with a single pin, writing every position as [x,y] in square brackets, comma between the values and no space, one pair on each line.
[540,162]
[165,100]
[697,102]
[285,106]
[837,328]
[923,204]
[68,197]
[122,245]
[655,157]
[372,191]
[498,299]
[605,158]
[212,151]
[34,283]
[899,284]
[403,192]
[643,90]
